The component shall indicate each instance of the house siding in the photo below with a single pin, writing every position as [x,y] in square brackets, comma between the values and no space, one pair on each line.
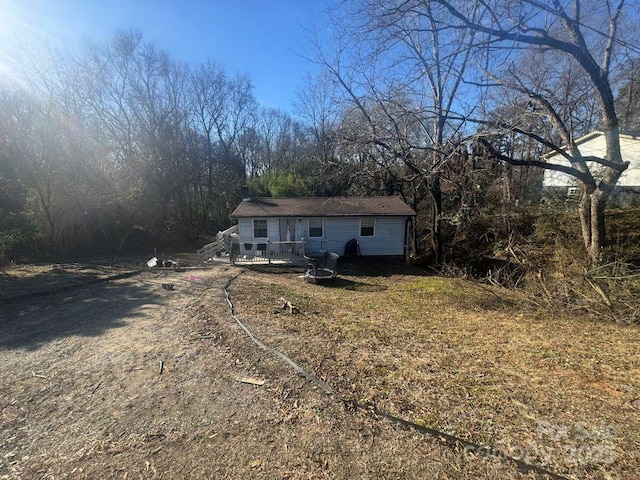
[388,239]
[596,147]
[245,230]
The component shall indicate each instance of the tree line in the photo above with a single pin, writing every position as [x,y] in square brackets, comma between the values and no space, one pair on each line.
[120,145]
[449,104]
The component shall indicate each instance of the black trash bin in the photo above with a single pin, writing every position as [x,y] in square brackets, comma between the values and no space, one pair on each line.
[352,248]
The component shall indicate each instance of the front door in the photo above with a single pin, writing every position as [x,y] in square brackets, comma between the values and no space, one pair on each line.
[287,229]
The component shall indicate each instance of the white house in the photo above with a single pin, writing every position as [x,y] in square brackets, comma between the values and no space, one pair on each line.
[593,144]
[379,225]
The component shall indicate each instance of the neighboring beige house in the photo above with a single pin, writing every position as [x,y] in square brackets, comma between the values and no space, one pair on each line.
[628,187]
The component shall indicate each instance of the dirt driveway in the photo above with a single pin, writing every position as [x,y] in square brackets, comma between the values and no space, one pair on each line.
[126,379]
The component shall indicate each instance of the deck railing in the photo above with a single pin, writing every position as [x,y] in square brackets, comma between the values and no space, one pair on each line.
[214,248]
[270,252]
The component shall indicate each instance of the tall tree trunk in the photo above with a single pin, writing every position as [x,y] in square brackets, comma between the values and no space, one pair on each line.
[436,234]
[598,232]
[413,241]
[584,211]
[592,220]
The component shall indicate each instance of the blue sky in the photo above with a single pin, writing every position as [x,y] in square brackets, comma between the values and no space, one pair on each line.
[265,38]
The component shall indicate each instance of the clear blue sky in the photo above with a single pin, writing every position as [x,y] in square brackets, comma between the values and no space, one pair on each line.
[262,37]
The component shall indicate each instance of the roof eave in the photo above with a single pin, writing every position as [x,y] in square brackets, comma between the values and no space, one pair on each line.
[306,215]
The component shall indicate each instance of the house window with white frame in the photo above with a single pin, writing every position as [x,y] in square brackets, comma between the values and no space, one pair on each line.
[316,228]
[367,227]
[260,228]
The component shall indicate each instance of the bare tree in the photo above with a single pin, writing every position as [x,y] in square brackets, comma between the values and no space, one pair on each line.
[628,98]
[317,107]
[581,35]
[405,73]
[55,155]
[120,138]
[136,94]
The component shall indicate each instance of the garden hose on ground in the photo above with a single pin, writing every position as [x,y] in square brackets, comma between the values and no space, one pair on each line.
[444,438]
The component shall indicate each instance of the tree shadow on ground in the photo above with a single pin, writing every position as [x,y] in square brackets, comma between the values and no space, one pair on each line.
[357,267]
[81,310]
[373,267]
[26,284]
[356,286]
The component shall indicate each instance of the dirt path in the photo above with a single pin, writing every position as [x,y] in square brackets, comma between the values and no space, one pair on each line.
[124,379]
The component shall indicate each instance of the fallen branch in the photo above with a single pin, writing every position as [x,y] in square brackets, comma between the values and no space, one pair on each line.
[510,250]
[602,293]
[619,277]
[96,387]
[544,287]
[250,380]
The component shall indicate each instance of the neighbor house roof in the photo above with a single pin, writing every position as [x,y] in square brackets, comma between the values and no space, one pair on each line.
[322,207]
[596,135]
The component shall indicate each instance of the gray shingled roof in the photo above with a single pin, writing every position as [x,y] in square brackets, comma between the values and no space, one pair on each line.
[322,207]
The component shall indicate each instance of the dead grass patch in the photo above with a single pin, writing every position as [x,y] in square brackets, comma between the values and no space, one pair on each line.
[473,361]
[84,396]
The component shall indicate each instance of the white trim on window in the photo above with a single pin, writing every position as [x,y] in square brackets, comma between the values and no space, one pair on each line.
[315,227]
[257,231]
[368,223]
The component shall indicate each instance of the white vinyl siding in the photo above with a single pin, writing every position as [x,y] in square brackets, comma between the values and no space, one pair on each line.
[246,230]
[596,146]
[389,236]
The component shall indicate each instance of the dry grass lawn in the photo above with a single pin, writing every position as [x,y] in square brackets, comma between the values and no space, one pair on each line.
[555,390]
[126,379]
[106,374]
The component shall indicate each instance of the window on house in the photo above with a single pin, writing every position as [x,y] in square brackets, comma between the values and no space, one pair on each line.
[367,226]
[260,228]
[316,227]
